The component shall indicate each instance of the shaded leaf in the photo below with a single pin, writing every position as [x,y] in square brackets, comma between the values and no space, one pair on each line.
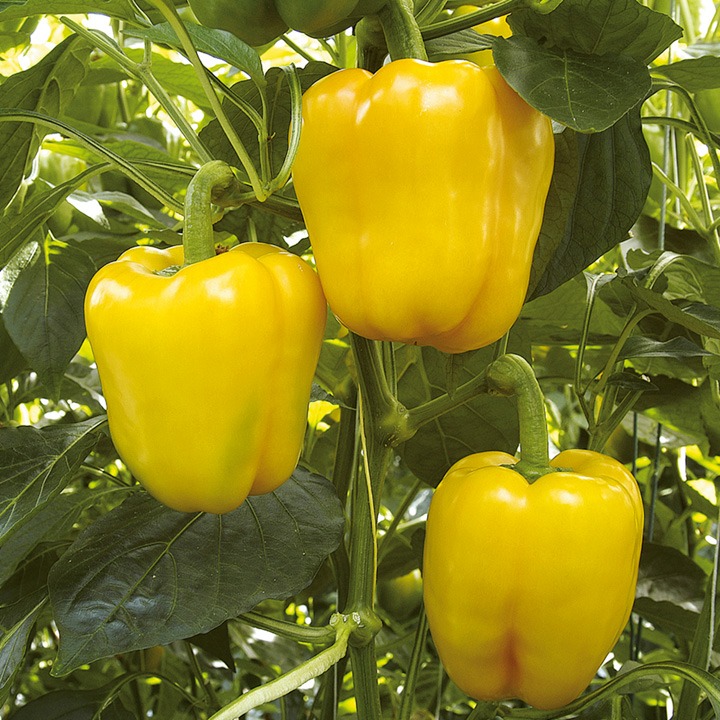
[483,423]
[667,575]
[598,191]
[35,465]
[679,347]
[75,705]
[46,87]
[145,575]
[44,311]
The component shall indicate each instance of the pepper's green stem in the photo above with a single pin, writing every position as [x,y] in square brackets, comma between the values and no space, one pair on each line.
[312,668]
[402,32]
[512,375]
[211,182]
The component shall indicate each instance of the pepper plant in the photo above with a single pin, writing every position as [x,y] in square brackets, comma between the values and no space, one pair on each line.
[162,553]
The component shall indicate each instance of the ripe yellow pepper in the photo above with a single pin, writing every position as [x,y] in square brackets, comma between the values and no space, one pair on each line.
[528,586]
[423,188]
[207,372]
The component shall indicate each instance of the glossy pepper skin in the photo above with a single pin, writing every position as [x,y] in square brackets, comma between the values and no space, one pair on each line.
[207,372]
[423,189]
[529,586]
[258,22]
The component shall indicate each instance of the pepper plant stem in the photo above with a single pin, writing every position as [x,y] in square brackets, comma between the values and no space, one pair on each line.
[292,680]
[198,240]
[513,375]
[402,33]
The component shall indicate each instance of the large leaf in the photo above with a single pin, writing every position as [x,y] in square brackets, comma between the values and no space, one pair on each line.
[598,191]
[146,575]
[483,423]
[584,92]
[46,87]
[35,465]
[600,27]
[75,705]
[21,600]
[44,311]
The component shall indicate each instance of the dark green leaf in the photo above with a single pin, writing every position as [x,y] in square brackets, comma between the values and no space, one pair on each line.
[483,423]
[679,347]
[146,575]
[584,92]
[75,705]
[11,360]
[600,27]
[46,87]
[35,465]
[22,599]
[44,311]
[696,74]
[698,317]
[668,575]
[668,616]
[598,191]
[630,381]
[42,202]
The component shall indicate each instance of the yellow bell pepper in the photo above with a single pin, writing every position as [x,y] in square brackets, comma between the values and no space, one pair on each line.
[207,372]
[423,189]
[528,585]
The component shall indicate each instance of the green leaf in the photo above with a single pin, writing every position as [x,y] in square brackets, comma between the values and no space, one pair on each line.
[600,27]
[700,318]
[22,599]
[598,190]
[217,43]
[46,87]
[679,347]
[146,575]
[277,95]
[75,705]
[44,311]
[35,465]
[19,226]
[667,575]
[483,423]
[695,74]
[121,9]
[12,363]
[587,93]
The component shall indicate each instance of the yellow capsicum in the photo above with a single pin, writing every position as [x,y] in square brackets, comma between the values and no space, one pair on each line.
[530,569]
[206,369]
[423,188]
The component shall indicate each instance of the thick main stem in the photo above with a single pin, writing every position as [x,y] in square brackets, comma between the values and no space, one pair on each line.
[402,33]
[512,375]
[211,181]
